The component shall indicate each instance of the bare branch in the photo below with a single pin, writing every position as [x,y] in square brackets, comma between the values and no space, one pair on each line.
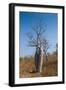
[45,45]
[37,38]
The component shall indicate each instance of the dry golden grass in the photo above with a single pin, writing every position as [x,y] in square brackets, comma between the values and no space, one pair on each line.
[27,65]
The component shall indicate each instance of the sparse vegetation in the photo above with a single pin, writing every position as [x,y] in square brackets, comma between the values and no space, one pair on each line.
[27,65]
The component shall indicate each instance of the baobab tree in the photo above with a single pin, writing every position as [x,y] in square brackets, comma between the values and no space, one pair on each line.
[56,48]
[45,47]
[37,39]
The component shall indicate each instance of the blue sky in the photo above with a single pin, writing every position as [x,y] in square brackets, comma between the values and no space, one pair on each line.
[27,20]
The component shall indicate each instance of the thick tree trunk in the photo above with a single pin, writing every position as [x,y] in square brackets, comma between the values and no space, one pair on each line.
[41,60]
[37,60]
